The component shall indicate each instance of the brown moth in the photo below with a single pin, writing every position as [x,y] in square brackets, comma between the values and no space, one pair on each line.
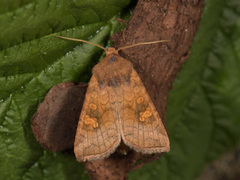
[117,108]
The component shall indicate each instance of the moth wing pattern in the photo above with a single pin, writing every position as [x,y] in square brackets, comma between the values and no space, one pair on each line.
[97,134]
[141,126]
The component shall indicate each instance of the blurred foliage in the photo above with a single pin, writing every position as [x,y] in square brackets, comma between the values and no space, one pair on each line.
[203,117]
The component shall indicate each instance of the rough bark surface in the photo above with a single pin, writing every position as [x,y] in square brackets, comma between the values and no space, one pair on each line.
[157,64]
[55,122]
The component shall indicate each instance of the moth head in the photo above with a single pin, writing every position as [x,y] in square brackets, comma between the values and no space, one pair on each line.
[111,50]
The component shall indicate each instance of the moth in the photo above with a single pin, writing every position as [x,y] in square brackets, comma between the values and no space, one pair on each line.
[117,108]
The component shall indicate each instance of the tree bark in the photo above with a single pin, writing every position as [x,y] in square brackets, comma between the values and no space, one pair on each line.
[157,65]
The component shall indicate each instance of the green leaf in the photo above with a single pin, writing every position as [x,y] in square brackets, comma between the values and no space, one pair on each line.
[55,166]
[32,61]
[12,5]
[203,118]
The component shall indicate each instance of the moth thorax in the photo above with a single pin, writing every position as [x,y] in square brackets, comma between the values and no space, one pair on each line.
[111,50]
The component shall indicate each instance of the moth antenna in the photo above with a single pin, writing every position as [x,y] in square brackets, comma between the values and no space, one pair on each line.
[143,43]
[80,40]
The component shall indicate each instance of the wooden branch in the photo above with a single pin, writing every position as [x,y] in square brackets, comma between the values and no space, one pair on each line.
[157,64]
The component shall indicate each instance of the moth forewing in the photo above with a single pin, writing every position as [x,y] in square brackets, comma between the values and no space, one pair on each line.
[97,133]
[141,126]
